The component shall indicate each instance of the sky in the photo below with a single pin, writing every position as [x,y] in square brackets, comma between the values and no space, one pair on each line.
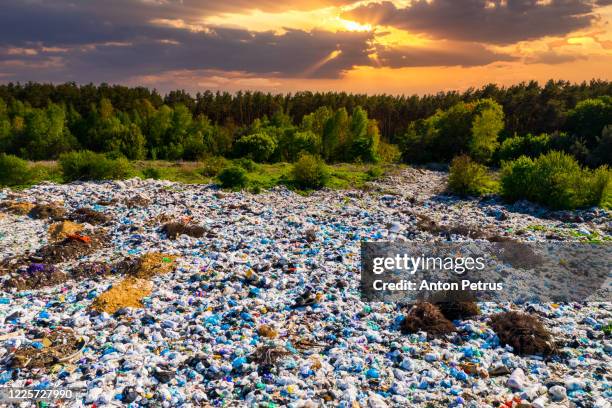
[393,47]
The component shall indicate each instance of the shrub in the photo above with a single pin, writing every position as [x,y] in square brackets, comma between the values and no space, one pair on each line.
[293,143]
[554,179]
[13,170]
[151,173]
[246,163]
[374,173]
[233,177]
[468,177]
[529,145]
[87,165]
[310,172]
[388,153]
[258,146]
[213,165]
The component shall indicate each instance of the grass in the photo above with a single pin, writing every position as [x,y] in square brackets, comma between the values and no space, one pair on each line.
[262,176]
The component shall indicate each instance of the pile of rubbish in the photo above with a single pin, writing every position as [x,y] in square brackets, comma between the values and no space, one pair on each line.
[154,293]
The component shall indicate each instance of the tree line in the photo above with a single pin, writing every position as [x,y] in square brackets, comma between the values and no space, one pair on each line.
[492,123]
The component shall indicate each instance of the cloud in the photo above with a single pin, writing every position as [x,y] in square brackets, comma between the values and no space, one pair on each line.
[294,53]
[450,54]
[487,21]
[551,58]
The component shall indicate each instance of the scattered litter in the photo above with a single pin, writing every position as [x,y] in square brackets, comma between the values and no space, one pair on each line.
[264,308]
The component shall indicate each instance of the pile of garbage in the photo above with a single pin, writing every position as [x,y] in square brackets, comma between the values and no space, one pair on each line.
[154,293]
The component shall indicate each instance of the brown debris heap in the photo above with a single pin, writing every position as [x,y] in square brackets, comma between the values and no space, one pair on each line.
[174,229]
[525,333]
[428,318]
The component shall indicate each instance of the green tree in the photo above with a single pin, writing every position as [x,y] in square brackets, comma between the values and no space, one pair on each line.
[258,146]
[487,123]
[589,117]
[334,134]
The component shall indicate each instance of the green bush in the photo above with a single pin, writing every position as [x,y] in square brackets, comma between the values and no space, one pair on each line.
[310,172]
[529,145]
[246,163]
[151,173]
[467,177]
[233,177]
[389,153]
[13,170]
[87,165]
[555,180]
[213,165]
[258,146]
[375,173]
[293,143]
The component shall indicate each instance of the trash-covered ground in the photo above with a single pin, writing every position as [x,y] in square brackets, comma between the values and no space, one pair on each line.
[163,294]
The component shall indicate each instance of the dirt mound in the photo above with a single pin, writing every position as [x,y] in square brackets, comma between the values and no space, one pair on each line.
[428,318]
[137,201]
[72,247]
[17,208]
[127,293]
[60,230]
[525,333]
[61,345]
[174,229]
[88,215]
[89,270]
[45,211]
[148,265]
[35,276]
[458,310]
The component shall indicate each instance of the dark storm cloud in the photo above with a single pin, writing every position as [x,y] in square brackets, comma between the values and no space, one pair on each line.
[476,20]
[455,54]
[294,53]
[114,39]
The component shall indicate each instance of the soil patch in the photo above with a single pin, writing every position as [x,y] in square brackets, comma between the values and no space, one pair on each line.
[17,208]
[525,333]
[72,247]
[148,265]
[137,201]
[174,229]
[35,276]
[428,318]
[45,211]
[89,270]
[61,345]
[62,229]
[127,293]
[89,215]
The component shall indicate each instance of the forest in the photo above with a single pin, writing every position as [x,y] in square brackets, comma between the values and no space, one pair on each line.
[491,124]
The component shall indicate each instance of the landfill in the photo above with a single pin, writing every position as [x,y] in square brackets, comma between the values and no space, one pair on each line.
[156,293]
